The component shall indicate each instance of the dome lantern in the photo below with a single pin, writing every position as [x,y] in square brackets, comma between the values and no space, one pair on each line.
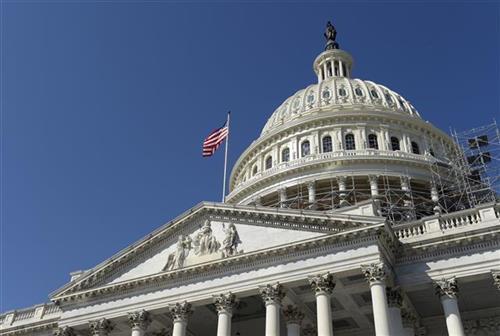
[333,62]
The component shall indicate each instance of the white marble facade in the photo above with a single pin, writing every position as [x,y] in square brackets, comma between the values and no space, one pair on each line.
[241,268]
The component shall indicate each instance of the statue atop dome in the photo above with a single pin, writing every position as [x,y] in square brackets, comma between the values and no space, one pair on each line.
[330,36]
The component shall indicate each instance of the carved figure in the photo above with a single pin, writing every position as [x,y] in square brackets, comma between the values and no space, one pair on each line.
[230,243]
[177,258]
[330,32]
[204,242]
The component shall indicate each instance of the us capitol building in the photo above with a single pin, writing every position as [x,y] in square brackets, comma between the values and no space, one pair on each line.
[345,217]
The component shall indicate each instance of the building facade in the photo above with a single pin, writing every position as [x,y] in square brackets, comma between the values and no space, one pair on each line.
[336,224]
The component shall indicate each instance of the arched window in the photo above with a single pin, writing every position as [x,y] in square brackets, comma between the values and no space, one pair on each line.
[327,144]
[254,170]
[395,144]
[350,144]
[285,155]
[374,93]
[269,162]
[305,148]
[358,91]
[342,92]
[414,148]
[372,141]
[388,98]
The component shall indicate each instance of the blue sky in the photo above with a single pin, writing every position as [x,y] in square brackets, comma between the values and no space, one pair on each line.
[105,105]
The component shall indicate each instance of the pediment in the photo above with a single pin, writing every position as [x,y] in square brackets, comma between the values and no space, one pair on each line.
[210,233]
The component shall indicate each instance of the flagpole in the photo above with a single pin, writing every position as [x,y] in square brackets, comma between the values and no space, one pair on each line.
[225,159]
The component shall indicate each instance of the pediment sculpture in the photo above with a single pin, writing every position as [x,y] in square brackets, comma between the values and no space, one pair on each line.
[203,247]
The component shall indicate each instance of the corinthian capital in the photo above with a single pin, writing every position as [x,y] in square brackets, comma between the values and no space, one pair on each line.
[180,311]
[224,303]
[272,293]
[64,331]
[496,278]
[374,272]
[100,327]
[139,319]
[408,319]
[293,315]
[446,287]
[322,284]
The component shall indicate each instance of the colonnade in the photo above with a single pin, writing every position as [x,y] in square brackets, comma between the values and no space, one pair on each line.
[389,315]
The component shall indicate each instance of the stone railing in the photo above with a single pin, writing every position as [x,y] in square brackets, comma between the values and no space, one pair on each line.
[434,226]
[325,157]
[29,315]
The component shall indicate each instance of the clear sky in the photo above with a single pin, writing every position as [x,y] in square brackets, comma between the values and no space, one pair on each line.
[105,105]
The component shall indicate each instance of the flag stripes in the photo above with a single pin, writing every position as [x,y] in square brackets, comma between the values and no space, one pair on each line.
[214,139]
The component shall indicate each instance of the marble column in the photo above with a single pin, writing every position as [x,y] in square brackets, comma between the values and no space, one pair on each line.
[447,290]
[64,331]
[496,278]
[323,285]
[224,304]
[375,274]
[139,321]
[405,187]
[311,194]
[282,195]
[408,323]
[341,180]
[435,199]
[395,301]
[100,327]
[180,313]
[293,319]
[272,296]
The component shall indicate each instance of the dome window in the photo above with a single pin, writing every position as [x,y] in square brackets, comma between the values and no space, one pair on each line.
[269,162]
[388,98]
[414,148]
[326,94]
[374,93]
[402,104]
[358,92]
[350,144]
[254,171]
[285,155]
[296,103]
[310,98]
[327,144]
[372,141]
[342,92]
[395,144]
[305,148]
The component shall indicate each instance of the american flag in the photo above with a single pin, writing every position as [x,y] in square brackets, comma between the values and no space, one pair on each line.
[214,139]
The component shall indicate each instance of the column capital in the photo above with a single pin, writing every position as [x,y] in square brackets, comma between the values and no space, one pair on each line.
[292,314]
[224,303]
[309,330]
[100,327]
[446,287]
[139,319]
[341,179]
[373,178]
[64,331]
[322,283]
[394,297]
[375,272]
[272,293]
[310,184]
[496,278]
[180,311]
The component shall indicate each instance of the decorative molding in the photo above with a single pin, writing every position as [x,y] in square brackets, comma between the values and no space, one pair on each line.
[446,287]
[272,293]
[496,278]
[375,272]
[224,303]
[139,319]
[64,331]
[322,283]
[293,315]
[180,311]
[394,297]
[100,327]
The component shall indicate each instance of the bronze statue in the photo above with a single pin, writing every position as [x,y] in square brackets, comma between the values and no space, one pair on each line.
[330,36]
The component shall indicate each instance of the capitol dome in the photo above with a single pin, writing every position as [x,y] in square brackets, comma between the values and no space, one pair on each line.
[339,142]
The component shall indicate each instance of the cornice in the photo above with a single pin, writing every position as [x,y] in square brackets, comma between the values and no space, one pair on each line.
[252,259]
[29,329]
